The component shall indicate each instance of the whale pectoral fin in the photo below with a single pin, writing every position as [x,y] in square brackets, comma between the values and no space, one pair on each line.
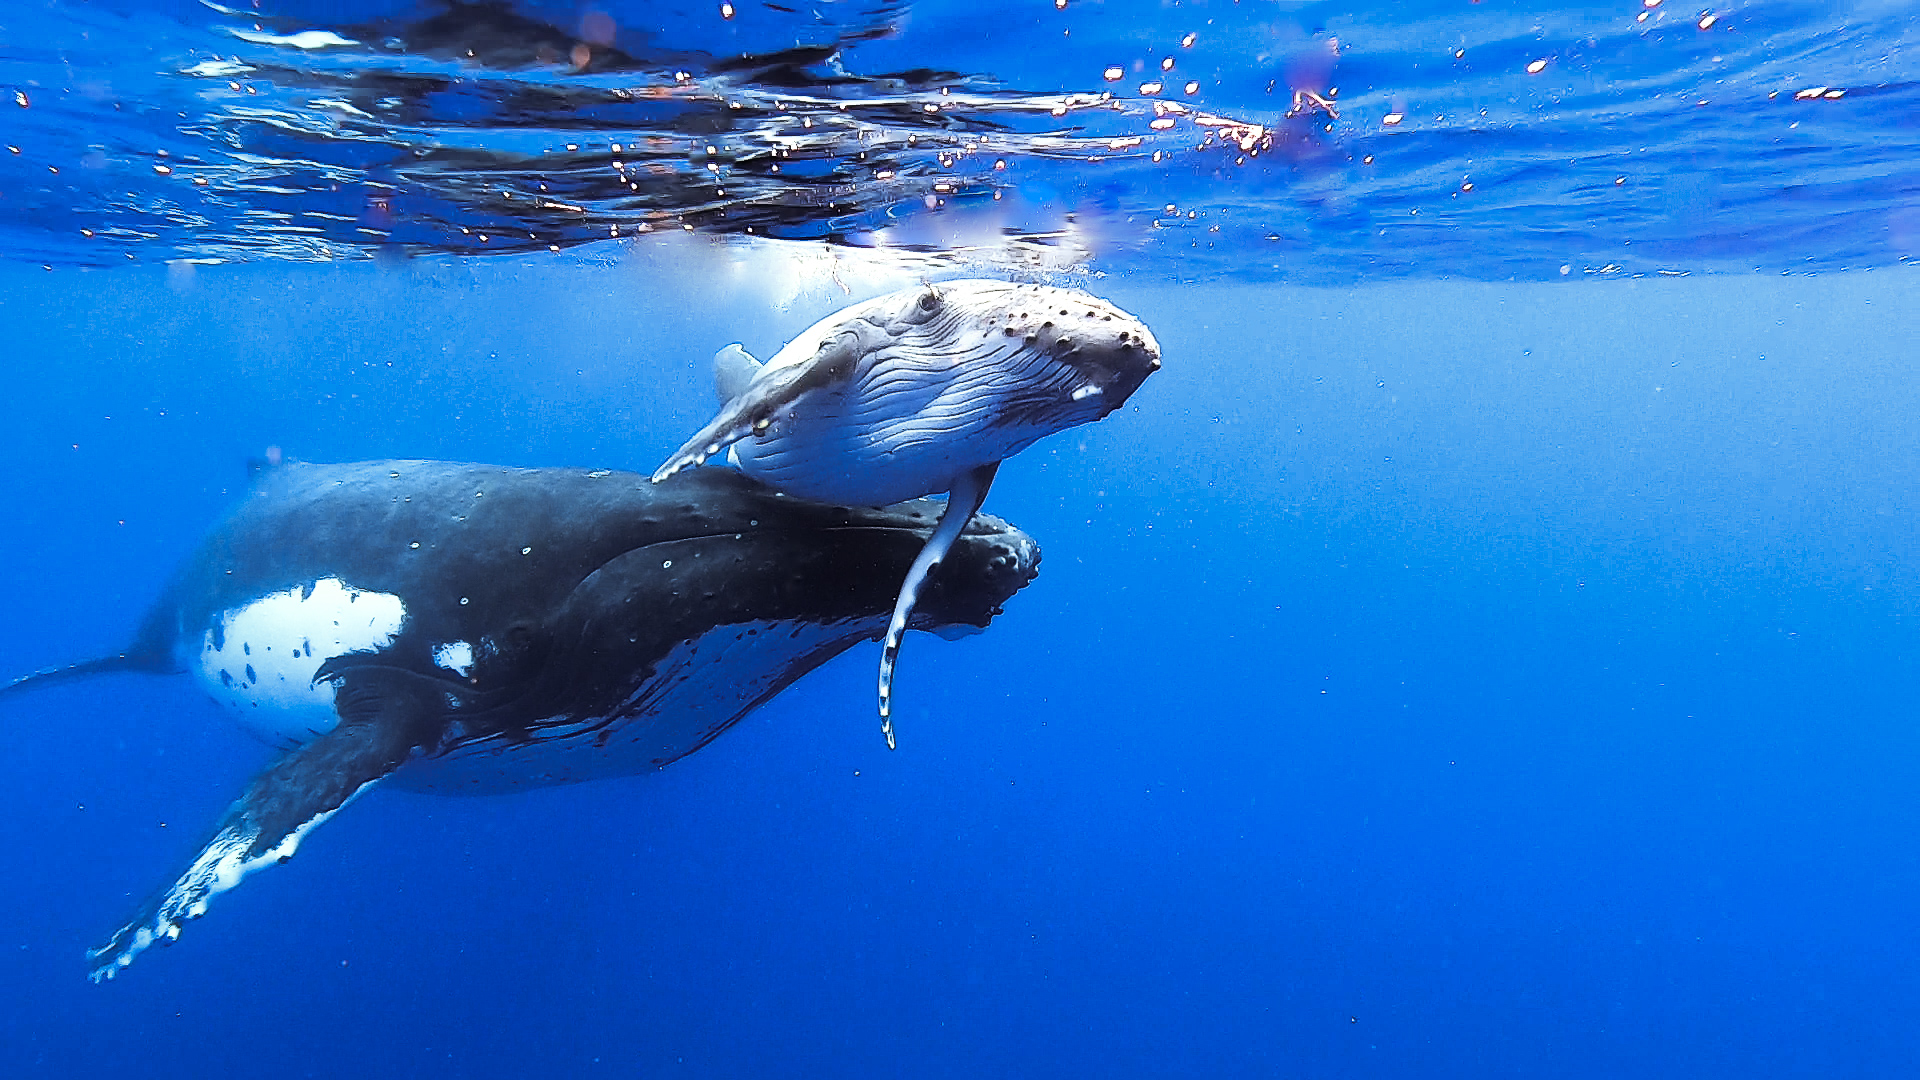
[962,502]
[736,421]
[751,412]
[734,369]
[306,786]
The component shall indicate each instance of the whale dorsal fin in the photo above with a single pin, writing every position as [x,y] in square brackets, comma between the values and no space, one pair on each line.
[733,370]
[969,491]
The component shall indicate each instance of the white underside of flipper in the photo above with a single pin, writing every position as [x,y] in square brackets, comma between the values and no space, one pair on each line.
[221,865]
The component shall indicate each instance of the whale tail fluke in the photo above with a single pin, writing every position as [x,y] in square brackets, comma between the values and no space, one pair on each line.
[106,665]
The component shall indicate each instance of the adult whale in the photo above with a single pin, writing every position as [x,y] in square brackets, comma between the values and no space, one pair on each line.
[471,628]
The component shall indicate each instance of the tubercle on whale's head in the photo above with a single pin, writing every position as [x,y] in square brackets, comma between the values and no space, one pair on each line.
[990,562]
[1111,351]
[1113,360]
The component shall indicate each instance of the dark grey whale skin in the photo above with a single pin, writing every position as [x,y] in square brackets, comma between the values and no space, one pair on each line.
[573,640]
[580,583]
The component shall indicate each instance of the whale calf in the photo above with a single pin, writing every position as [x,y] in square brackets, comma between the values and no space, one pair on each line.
[471,628]
[917,392]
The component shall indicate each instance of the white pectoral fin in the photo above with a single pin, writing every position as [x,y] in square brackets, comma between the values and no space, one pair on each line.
[379,729]
[962,502]
[733,371]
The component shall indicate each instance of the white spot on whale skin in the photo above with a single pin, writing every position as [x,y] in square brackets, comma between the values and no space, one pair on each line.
[261,660]
[455,656]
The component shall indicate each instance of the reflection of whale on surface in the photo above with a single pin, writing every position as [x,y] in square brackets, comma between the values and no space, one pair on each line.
[921,391]
[479,628]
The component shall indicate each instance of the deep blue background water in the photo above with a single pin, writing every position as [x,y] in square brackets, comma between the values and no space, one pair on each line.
[1426,676]
[1432,679]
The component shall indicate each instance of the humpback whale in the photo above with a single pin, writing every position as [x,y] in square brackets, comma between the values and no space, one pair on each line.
[921,391]
[471,628]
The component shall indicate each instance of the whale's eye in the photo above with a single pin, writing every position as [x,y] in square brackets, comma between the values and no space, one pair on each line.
[929,300]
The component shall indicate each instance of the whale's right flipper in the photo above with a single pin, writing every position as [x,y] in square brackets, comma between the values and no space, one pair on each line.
[385,715]
[969,491]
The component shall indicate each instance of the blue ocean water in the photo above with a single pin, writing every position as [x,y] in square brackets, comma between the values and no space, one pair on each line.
[1446,666]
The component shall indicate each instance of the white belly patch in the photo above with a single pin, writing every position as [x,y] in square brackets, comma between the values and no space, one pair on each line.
[259,659]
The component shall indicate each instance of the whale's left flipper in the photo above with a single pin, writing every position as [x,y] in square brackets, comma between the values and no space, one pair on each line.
[760,391]
[385,714]
[969,491]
